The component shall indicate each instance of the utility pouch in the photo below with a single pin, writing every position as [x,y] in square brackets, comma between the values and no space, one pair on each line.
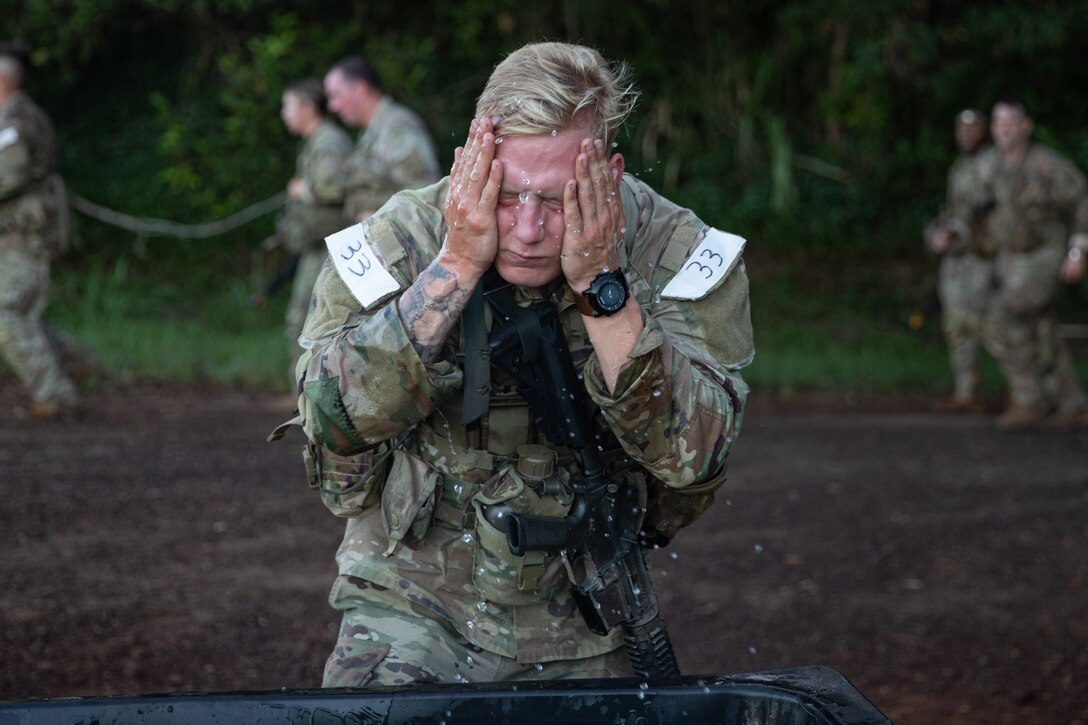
[498,574]
[348,485]
[408,500]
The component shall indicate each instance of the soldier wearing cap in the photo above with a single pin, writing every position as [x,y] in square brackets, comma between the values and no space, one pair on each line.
[536,210]
[33,230]
[959,236]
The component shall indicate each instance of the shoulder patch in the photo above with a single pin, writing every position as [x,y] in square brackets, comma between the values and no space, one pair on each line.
[359,266]
[8,136]
[710,263]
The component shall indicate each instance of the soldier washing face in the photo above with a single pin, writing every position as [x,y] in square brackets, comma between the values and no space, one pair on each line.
[653,304]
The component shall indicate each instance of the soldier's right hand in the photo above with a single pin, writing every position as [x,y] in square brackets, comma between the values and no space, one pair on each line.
[472,236]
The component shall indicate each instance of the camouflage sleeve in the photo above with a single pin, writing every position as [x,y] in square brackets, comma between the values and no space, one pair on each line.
[361,378]
[14,162]
[678,403]
[326,179]
[325,169]
[366,384]
[1071,195]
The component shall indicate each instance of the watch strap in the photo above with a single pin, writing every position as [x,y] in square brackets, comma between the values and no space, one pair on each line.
[582,303]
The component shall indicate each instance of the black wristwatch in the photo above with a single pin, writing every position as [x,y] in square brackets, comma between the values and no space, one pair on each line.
[607,295]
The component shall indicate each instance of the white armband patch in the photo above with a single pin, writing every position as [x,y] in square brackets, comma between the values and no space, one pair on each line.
[358,265]
[8,136]
[708,265]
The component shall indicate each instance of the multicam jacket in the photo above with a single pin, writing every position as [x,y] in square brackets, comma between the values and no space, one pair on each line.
[321,160]
[394,153]
[669,425]
[1042,201]
[969,204]
[32,197]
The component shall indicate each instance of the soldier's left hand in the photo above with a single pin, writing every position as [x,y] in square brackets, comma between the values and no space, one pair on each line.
[593,214]
[296,188]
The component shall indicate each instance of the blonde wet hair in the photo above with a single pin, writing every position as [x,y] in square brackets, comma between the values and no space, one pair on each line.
[544,87]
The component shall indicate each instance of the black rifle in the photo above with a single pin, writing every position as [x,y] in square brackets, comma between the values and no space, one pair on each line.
[598,538]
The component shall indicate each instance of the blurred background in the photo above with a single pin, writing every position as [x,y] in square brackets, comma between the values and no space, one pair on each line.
[820,130]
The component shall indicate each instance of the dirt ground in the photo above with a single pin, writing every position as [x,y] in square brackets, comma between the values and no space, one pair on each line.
[162,545]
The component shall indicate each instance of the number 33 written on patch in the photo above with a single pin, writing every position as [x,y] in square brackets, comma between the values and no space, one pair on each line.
[359,267]
[706,267]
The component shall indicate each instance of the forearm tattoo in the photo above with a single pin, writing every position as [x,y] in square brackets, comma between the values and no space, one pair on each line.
[430,307]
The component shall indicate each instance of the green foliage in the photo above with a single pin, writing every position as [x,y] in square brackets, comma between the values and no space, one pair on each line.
[819,129]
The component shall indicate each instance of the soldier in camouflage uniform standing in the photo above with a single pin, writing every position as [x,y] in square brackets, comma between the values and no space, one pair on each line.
[315,196]
[1040,225]
[537,205]
[966,276]
[394,152]
[33,230]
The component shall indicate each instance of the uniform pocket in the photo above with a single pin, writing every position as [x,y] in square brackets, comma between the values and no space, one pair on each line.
[348,485]
[498,574]
[408,500]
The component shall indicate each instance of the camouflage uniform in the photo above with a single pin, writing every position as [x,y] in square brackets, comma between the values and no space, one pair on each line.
[33,230]
[419,545]
[966,274]
[307,221]
[395,152]
[1041,202]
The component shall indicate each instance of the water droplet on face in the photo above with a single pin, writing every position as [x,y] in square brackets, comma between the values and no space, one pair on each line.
[554,132]
[498,140]
[523,197]
[526,181]
[584,252]
[562,257]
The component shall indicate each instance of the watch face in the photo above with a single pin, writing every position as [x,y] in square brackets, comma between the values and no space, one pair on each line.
[611,295]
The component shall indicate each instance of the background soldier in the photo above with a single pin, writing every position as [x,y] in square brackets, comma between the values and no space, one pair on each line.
[33,230]
[1040,224]
[394,152]
[538,206]
[966,270]
[315,196]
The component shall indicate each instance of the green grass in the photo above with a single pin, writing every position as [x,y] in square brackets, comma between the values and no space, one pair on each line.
[143,330]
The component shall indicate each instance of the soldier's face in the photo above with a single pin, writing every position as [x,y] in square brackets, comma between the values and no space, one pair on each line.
[530,209]
[969,136]
[1011,127]
[291,113]
[343,97]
